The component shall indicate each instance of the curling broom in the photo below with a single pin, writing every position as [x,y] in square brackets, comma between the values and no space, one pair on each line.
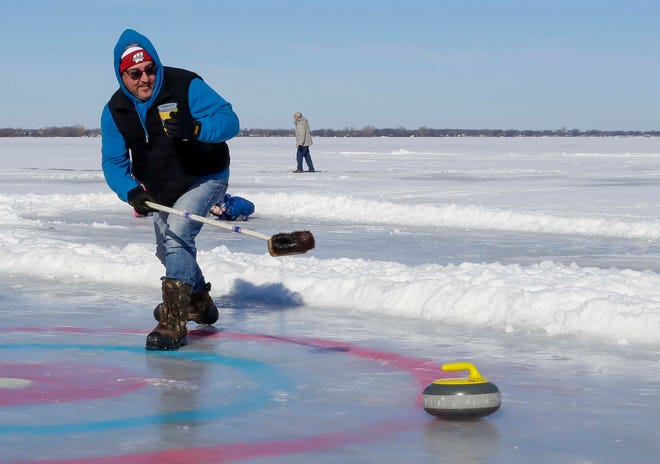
[281,244]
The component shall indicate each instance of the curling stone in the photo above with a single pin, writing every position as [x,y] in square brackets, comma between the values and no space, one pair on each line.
[473,396]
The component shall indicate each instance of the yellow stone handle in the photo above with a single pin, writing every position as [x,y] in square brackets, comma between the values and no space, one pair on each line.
[464,366]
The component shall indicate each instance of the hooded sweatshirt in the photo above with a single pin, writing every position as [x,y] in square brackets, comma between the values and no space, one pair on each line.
[135,149]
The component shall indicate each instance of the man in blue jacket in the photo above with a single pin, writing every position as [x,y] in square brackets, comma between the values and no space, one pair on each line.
[182,163]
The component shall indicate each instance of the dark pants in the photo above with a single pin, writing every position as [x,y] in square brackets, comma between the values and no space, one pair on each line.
[303,152]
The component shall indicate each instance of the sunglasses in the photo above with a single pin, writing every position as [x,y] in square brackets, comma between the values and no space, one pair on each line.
[136,74]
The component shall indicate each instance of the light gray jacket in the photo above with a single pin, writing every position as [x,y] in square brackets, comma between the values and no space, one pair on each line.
[303,134]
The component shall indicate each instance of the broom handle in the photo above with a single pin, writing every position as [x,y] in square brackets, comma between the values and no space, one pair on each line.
[206,220]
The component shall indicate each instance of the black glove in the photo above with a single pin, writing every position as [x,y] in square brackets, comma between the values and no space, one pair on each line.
[137,198]
[182,126]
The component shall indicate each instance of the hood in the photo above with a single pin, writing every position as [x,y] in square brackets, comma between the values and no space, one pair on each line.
[129,37]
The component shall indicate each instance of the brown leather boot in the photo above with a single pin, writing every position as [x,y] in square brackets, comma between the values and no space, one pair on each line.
[202,309]
[170,333]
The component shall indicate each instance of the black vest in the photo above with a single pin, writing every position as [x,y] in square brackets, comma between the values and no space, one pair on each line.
[167,167]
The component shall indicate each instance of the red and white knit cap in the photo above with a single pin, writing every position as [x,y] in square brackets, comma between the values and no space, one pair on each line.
[134,54]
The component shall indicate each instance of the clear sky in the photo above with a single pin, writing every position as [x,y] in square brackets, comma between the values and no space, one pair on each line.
[498,64]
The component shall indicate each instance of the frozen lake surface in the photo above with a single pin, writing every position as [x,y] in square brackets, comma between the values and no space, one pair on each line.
[537,259]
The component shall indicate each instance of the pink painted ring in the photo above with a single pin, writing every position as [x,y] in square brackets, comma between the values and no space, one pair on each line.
[27,383]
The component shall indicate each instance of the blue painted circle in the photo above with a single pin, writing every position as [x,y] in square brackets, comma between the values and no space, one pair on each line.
[257,398]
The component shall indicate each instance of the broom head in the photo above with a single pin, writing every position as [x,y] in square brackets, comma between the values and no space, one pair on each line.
[293,243]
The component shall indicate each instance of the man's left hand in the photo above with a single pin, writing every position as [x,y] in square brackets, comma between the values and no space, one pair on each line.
[182,126]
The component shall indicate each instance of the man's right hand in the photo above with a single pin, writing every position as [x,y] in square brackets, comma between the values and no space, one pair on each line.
[137,198]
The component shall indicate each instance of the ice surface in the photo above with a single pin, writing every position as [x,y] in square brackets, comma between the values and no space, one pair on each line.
[536,259]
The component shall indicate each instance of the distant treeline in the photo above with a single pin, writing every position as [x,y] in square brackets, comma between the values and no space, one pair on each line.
[427,132]
[80,131]
[66,131]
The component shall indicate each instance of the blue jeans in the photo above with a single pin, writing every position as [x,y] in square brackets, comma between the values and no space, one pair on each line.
[303,152]
[175,235]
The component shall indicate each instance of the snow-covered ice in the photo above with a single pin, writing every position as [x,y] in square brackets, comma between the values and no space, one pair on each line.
[535,258]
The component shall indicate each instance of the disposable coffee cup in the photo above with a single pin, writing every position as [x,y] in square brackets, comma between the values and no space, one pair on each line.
[165,110]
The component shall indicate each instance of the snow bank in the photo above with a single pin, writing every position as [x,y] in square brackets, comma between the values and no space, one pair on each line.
[618,305]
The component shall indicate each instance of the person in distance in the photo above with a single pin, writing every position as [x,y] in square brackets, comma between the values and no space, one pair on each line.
[303,142]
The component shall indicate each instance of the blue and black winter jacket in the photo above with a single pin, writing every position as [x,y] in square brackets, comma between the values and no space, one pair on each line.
[136,150]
